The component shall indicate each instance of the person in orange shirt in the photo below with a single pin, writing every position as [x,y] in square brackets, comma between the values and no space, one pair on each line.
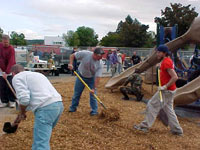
[168,78]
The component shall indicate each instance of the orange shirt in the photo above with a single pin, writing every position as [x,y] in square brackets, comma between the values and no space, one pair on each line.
[167,63]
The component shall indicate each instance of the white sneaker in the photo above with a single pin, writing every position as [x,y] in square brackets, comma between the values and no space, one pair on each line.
[12,104]
[2,105]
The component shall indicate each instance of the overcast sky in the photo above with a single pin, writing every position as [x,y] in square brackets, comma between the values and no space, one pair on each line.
[39,18]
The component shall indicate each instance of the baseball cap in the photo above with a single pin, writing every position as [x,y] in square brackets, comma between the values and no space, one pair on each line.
[99,51]
[163,48]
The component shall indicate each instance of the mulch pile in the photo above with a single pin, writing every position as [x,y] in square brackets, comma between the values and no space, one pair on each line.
[80,131]
[109,115]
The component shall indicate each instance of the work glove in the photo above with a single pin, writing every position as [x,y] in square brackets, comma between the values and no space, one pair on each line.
[162,88]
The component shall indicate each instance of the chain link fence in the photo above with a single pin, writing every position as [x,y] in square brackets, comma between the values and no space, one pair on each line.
[61,54]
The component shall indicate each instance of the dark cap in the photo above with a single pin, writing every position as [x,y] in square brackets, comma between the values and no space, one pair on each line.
[163,48]
[99,51]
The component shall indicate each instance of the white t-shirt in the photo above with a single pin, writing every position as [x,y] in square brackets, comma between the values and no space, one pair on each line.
[34,90]
[119,57]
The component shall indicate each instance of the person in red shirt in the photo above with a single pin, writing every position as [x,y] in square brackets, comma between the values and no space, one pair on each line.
[168,78]
[123,58]
[7,60]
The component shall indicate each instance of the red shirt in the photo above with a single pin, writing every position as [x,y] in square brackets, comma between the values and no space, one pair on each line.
[123,57]
[164,75]
[7,58]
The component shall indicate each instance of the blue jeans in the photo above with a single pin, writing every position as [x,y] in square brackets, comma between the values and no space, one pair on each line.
[119,68]
[45,120]
[78,89]
[108,65]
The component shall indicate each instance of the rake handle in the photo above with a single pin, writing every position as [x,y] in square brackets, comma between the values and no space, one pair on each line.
[159,83]
[89,89]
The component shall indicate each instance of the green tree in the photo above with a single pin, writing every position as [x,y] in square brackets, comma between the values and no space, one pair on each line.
[17,39]
[129,20]
[133,33]
[177,14]
[119,26]
[87,36]
[112,39]
[76,39]
[130,33]
[71,38]
[1,32]
[151,40]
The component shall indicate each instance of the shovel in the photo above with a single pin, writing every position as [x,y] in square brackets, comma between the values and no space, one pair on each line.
[90,89]
[162,115]
[11,128]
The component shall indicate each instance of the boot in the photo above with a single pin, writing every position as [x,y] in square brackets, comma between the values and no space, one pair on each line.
[125,98]
[139,97]
[124,94]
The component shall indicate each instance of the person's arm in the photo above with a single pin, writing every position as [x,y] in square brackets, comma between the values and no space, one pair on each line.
[98,75]
[22,92]
[173,79]
[23,95]
[130,78]
[132,60]
[71,60]
[11,60]
[111,59]
[140,59]
[96,83]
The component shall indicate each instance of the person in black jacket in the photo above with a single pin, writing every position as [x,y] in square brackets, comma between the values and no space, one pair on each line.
[135,58]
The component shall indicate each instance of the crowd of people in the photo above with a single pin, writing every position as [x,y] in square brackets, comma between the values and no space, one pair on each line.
[46,103]
[116,61]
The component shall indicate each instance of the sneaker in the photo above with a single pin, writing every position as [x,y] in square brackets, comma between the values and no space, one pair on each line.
[93,113]
[143,129]
[2,105]
[12,104]
[177,133]
[72,110]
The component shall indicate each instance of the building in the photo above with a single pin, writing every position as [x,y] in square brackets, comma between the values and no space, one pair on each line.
[54,40]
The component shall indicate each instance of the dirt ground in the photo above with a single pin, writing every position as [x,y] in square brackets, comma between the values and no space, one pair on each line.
[80,131]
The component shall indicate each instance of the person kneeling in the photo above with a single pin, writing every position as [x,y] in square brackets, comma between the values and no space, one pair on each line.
[135,88]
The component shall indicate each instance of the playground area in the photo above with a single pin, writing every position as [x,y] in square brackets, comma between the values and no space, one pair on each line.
[79,130]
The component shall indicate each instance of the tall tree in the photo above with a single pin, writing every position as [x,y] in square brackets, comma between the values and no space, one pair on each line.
[119,26]
[1,32]
[151,40]
[128,19]
[83,36]
[177,14]
[87,36]
[17,39]
[112,39]
[130,33]
[71,38]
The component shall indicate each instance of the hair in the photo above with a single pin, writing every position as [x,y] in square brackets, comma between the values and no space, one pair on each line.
[17,68]
[5,37]
[167,54]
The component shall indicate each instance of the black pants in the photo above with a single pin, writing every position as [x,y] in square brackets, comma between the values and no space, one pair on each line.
[6,94]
